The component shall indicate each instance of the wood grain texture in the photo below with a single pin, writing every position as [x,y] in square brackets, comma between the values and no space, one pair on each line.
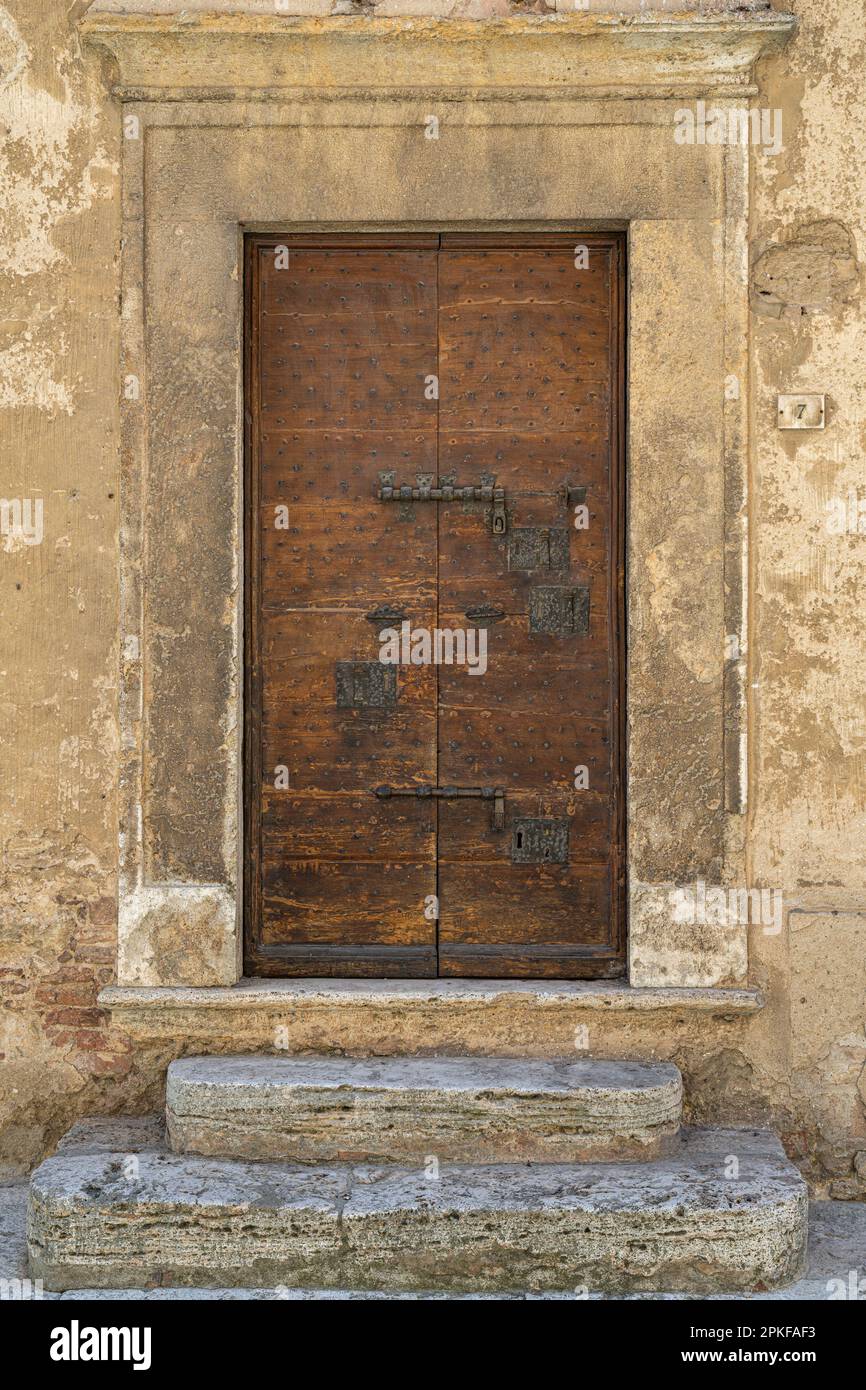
[527,349]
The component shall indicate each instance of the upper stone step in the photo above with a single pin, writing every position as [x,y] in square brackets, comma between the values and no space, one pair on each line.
[725,1211]
[411,1109]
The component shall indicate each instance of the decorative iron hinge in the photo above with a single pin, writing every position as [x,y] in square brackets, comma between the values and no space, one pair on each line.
[495,795]
[447,491]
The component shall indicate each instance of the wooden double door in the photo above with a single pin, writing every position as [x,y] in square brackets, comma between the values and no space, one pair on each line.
[434,740]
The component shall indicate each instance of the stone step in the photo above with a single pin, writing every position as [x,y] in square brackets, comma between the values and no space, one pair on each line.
[406,1110]
[124,1219]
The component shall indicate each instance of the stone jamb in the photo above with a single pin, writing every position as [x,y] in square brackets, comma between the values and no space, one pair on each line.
[179,919]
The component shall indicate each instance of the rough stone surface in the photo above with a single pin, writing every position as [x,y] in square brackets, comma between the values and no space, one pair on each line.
[13,1230]
[828,1022]
[130,1134]
[59,348]
[123,1219]
[162,1008]
[836,1269]
[464,1110]
[465,9]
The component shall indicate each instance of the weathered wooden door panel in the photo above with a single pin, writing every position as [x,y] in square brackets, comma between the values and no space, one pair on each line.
[528,344]
[555,916]
[504,685]
[335,714]
[342,340]
[505,453]
[315,562]
[432,362]
[296,827]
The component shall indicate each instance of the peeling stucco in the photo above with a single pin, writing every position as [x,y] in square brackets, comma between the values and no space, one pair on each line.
[58,686]
[813,269]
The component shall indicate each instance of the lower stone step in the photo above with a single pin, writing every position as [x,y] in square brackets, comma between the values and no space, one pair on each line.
[454,1109]
[726,1212]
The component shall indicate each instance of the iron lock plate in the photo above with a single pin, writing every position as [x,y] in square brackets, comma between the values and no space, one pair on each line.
[559,612]
[365,685]
[538,548]
[539,840]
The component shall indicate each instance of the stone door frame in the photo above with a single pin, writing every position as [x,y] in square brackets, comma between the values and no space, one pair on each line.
[234,125]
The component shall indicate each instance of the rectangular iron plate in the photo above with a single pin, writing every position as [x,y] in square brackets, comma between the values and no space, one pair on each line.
[538,548]
[559,612]
[365,685]
[542,840]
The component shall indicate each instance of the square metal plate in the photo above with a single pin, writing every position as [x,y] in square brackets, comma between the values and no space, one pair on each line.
[801,412]
[541,840]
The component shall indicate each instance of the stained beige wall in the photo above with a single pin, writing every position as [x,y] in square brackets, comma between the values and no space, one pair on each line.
[808,640]
[58,418]
[802,1061]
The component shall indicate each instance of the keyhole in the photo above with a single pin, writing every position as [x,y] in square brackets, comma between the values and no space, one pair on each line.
[520,839]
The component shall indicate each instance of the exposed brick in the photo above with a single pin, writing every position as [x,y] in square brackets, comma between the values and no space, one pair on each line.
[69,974]
[103,912]
[100,1064]
[98,955]
[88,1018]
[89,1040]
[80,993]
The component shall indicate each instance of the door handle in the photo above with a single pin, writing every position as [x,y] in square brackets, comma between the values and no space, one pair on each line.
[495,795]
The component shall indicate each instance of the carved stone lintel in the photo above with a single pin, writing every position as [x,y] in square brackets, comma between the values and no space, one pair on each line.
[229,52]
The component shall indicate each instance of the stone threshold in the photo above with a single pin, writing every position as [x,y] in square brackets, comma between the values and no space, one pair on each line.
[484,1015]
[837,1244]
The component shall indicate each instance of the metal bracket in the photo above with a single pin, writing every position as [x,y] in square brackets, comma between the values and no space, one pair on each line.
[484,615]
[495,795]
[385,614]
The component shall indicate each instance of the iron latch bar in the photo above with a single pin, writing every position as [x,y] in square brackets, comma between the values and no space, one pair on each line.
[495,795]
[447,491]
